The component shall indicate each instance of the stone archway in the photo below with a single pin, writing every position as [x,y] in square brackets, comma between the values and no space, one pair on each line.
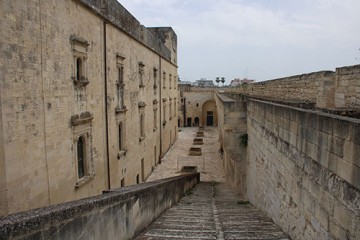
[209,114]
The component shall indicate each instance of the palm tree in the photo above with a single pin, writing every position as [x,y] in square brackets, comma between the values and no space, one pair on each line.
[217,80]
[223,80]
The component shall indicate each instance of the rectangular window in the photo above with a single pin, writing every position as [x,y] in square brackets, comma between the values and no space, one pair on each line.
[120,85]
[155,119]
[170,78]
[142,126]
[170,110]
[122,183]
[141,74]
[155,79]
[164,79]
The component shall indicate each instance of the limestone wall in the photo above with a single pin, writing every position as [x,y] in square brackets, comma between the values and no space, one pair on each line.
[119,214]
[327,89]
[347,93]
[304,170]
[45,109]
[233,139]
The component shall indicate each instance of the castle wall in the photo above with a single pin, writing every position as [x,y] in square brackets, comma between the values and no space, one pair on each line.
[326,89]
[304,170]
[46,109]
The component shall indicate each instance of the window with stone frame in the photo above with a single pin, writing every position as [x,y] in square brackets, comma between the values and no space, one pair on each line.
[164,79]
[170,79]
[142,120]
[155,74]
[141,74]
[120,85]
[170,109]
[155,114]
[121,135]
[164,111]
[175,82]
[175,104]
[79,48]
[82,148]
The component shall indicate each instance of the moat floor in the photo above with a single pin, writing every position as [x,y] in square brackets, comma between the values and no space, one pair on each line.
[212,211]
[209,164]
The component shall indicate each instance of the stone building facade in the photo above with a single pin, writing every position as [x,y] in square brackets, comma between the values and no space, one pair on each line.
[196,106]
[88,100]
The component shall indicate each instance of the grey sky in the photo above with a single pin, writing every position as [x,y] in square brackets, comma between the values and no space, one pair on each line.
[257,39]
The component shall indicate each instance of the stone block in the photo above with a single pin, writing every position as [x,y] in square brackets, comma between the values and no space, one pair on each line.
[337,146]
[322,216]
[337,231]
[348,171]
[341,128]
[325,124]
[342,216]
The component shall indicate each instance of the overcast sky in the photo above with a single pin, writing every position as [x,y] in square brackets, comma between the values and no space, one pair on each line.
[256,39]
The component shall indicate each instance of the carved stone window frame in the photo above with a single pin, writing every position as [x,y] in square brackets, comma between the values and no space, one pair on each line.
[164,79]
[142,106]
[141,74]
[82,127]
[170,78]
[120,85]
[121,121]
[155,108]
[79,48]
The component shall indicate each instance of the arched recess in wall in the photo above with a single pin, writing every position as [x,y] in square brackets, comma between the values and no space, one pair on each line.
[209,114]
[196,122]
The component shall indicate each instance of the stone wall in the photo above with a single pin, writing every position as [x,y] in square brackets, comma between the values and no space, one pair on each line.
[347,93]
[233,139]
[45,109]
[304,170]
[326,89]
[118,214]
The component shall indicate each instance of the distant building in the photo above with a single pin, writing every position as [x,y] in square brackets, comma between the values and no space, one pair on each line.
[238,81]
[204,83]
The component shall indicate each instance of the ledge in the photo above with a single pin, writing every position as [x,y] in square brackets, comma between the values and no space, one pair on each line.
[85,117]
[120,110]
[81,182]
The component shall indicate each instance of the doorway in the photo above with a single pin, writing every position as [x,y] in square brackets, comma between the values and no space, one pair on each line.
[197,121]
[209,118]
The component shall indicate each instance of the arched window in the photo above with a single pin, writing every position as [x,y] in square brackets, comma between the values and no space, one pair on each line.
[78,69]
[81,156]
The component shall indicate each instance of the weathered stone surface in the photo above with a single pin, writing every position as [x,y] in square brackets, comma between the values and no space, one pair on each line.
[213,211]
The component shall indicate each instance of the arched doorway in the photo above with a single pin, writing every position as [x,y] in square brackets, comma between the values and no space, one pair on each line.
[197,121]
[209,114]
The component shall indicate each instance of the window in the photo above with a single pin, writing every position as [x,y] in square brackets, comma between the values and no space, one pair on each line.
[175,82]
[170,78]
[79,71]
[120,137]
[82,145]
[155,80]
[142,125]
[137,179]
[170,110]
[79,48]
[120,85]
[122,183]
[164,79]
[155,119]
[81,157]
[175,109]
[141,74]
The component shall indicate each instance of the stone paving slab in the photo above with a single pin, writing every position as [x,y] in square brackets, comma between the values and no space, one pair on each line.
[209,164]
[213,211]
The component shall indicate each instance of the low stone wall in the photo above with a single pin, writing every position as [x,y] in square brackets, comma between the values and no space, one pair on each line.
[304,170]
[118,214]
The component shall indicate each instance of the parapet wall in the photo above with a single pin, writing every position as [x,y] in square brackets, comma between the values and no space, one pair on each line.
[326,89]
[304,170]
[119,214]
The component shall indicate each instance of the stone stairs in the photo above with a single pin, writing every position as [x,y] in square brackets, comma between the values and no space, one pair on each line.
[212,211]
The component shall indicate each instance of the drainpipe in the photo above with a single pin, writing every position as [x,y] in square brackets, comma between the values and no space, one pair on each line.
[106,111]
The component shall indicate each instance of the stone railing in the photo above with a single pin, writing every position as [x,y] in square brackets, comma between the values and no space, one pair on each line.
[117,214]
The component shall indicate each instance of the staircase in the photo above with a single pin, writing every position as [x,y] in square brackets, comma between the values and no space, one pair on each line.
[212,211]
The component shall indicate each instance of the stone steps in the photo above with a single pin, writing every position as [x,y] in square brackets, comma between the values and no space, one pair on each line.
[212,211]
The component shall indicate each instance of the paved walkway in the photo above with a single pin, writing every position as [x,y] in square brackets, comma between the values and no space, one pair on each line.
[209,164]
[212,211]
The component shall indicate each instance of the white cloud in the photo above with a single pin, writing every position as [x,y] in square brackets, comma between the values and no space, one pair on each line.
[269,38]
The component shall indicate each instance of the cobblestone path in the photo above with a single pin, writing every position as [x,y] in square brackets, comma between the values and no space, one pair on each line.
[212,211]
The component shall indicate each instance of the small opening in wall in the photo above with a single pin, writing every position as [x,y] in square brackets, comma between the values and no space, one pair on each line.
[137,179]
[78,69]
